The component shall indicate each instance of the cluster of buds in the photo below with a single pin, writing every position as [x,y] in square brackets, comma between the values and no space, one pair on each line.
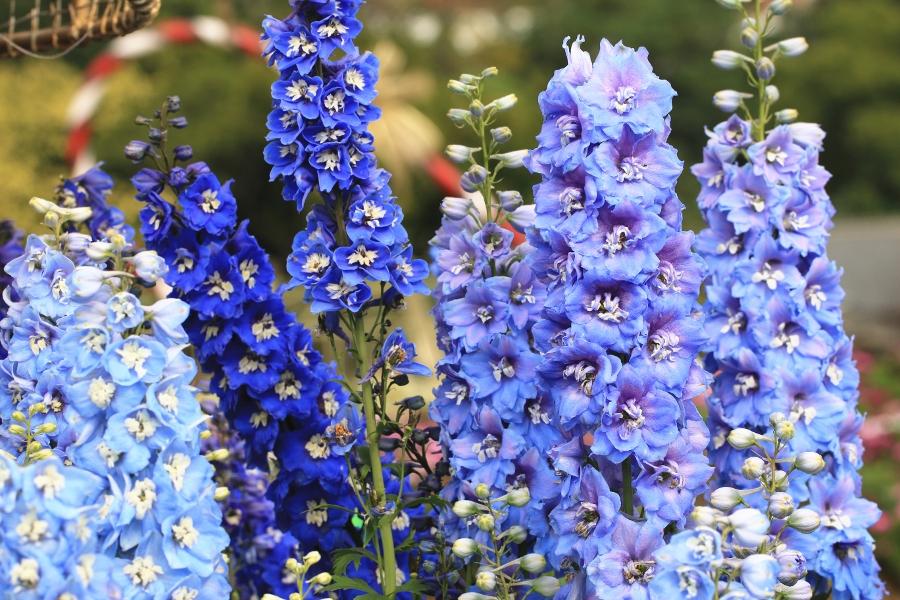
[298,570]
[23,428]
[759,524]
[501,575]
[759,61]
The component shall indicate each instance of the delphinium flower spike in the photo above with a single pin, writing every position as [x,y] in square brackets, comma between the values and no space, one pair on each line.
[774,308]
[273,387]
[10,247]
[99,379]
[354,259]
[496,429]
[619,331]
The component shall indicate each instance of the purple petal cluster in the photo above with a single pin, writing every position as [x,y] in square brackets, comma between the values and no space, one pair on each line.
[774,314]
[619,332]
[92,189]
[277,392]
[10,247]
[319,140]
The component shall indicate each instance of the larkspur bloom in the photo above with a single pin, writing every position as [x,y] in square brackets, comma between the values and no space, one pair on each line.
[619,334]
[774,319]
[10,247]
[104,388]
[274,391]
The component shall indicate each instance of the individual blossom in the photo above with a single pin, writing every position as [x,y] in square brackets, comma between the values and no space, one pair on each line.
[619,332]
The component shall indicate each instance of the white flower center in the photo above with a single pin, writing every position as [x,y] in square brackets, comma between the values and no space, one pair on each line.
[142,571]
[185,533]
[141,497]
[101,392]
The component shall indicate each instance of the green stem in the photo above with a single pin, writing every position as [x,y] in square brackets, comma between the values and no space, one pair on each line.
[389,558]
[627,489]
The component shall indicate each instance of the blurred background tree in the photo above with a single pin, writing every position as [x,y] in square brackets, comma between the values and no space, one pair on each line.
[849,82]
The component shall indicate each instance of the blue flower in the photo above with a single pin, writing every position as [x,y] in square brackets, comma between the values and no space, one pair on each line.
[208,204]
[480,313]
[584,517]
[503,370]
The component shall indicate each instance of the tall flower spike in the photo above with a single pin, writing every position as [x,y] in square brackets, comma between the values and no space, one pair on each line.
[275,389]
[495,428]
[774,314]
[620,332]
[354,259]
[99,379]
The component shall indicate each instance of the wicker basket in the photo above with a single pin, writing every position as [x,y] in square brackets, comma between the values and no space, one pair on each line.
[45,26]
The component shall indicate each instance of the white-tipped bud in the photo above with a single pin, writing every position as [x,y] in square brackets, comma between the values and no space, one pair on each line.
[486,580]
[271,597]
[458,87]
[292,565]
[469,79]
[804,520]
[472,178]
[765,68]
[511,160]
[516,534]
[519,496]
[546,586]
[522,218]
[483,491]
[705,516]
[725,498]
[779,7]
[728,59]
[17,430]
[311,558]
[149,266]
[42,454]
[780,480]
[791,566]
[785,430]
[741,438]
[753,467]
[459,116]
[781,504]
[465,508]
[458,153]
[485,522]
[19,416]
[456,208]
[801,590]
[501,135]
[489,72]
[321,579]
[99,251]
[48,427]
[729,100]
[810,462]
[793,46]
[772,93]
[533,563]
[749,37]
[776,417]
[476,108]
[787,115]
[505,102]
[751,527]
[510,200]
[465,547]
[732,4]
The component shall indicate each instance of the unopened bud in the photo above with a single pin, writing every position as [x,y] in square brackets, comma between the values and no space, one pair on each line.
[483,491]
[511,160]
[43,428]
[476,108]
[472,178]
[729,100]
[533,563]
[218,454]
[810,462]
[19,416]
[486,580]
[776,417]
[456,208]
[765,68]
[485,522]
[292,565]
[793,46]
[741,438]
[519,496]
[728,59]
[749,37]
[221,493]
[501,135]
[732,4]
[792,566]
[458,116]
[787,115]
[510,200]
[17,430]
[516,534]
[779,7]
[458,87]
[546,586]
[804,520]
[505,102]
[42,454]
[489,72]
[322,579]
[753,467]
[725,498]
[465,508]
[801,590]
[465,547]
[458,153]
[781,504]
[785,430]
[311,558]
[705,516]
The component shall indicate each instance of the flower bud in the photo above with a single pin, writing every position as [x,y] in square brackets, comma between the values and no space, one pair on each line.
[86,281]
[486,580]
[221,493]
[729,100]
[751,527]
[510,200]
[459,117]
[17,430]
[48,427]
[501,135]
[533,563]
[758,575]
[218,454]
[810,462]
[183,152]
[489,72]
[178,122]
[483,491]
[464,547]
[741,438]
[727,59]
[785,430]
[522,218]
[753,467]
[749,37]
[485,522]
[475,596]
[476,108]
[787,115]
[776,417]
[469,79]
[779,7]
[765,68]
[473,177]
[458,153]
[780,480]
[458,87]
[792,566]
[793,46]
[505,102]
[465,508]
[705,516]
[173,104]
[271,597]
[546,586]
[19,416]
[772,93]
[804,520]
[519,497]
[136,150]
[42,454]
[781,505]
[456,208]
[149,266]
[37,407]
[516,534]
[322,579]
[801,590]
[725,498]
[511,160]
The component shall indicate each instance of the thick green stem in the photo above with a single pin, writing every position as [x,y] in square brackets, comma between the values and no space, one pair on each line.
[389,558]
[627,489]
